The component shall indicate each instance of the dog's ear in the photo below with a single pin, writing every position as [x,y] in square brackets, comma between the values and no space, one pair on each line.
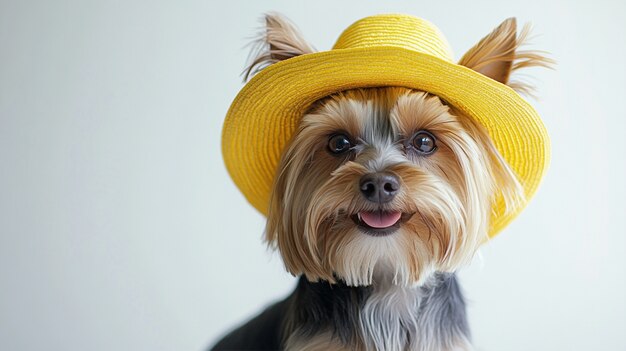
[497,55]
[280,40]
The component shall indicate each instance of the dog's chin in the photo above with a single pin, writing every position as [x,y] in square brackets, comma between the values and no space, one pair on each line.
[366,259]
[380,223]
[379,246]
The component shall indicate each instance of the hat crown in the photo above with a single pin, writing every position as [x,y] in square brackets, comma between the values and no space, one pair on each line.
[404,31]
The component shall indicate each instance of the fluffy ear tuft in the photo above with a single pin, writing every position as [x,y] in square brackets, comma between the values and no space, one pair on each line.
[497,55]
[280,40]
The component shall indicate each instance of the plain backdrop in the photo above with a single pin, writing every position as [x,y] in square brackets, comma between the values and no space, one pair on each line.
[121,230]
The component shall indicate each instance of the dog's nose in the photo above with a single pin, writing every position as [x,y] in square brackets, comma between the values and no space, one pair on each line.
[379,187]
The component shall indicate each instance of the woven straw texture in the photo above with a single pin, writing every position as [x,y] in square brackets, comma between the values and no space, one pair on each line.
[383,50]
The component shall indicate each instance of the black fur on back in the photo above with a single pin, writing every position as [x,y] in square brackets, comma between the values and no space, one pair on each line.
[319,306]
[315,307]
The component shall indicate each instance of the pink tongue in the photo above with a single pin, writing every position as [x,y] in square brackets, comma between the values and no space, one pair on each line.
[380,219]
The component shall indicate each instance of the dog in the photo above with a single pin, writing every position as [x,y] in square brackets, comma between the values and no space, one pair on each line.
[381,194]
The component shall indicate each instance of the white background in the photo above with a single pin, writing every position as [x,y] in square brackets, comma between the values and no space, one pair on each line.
[121,230]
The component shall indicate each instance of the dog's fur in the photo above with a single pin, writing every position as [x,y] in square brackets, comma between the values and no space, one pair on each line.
[366,289]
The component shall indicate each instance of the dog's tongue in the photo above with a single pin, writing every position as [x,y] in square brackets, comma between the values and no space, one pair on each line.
[380,219]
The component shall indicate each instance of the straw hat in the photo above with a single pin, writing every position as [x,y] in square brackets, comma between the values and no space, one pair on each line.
[383,50]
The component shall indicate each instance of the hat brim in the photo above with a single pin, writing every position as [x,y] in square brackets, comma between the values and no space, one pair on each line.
[266,112]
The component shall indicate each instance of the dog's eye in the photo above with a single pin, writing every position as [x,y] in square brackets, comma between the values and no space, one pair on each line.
[424,143]
[339,143]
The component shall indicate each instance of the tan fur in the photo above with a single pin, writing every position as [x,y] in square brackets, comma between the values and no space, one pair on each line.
[498,55]
[449,193]
[321,342]
[279,41]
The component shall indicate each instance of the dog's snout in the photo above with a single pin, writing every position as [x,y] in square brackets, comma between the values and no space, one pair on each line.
[379,187]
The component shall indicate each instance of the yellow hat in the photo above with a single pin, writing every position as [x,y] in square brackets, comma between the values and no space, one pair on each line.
[383,50]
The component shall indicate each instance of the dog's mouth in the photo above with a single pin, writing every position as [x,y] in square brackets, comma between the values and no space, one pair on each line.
[380,223]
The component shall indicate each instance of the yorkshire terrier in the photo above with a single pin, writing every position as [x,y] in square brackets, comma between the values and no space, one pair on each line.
[380,196]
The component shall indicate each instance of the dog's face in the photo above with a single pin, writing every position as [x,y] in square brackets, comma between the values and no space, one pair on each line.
[383,181]
[386,183]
